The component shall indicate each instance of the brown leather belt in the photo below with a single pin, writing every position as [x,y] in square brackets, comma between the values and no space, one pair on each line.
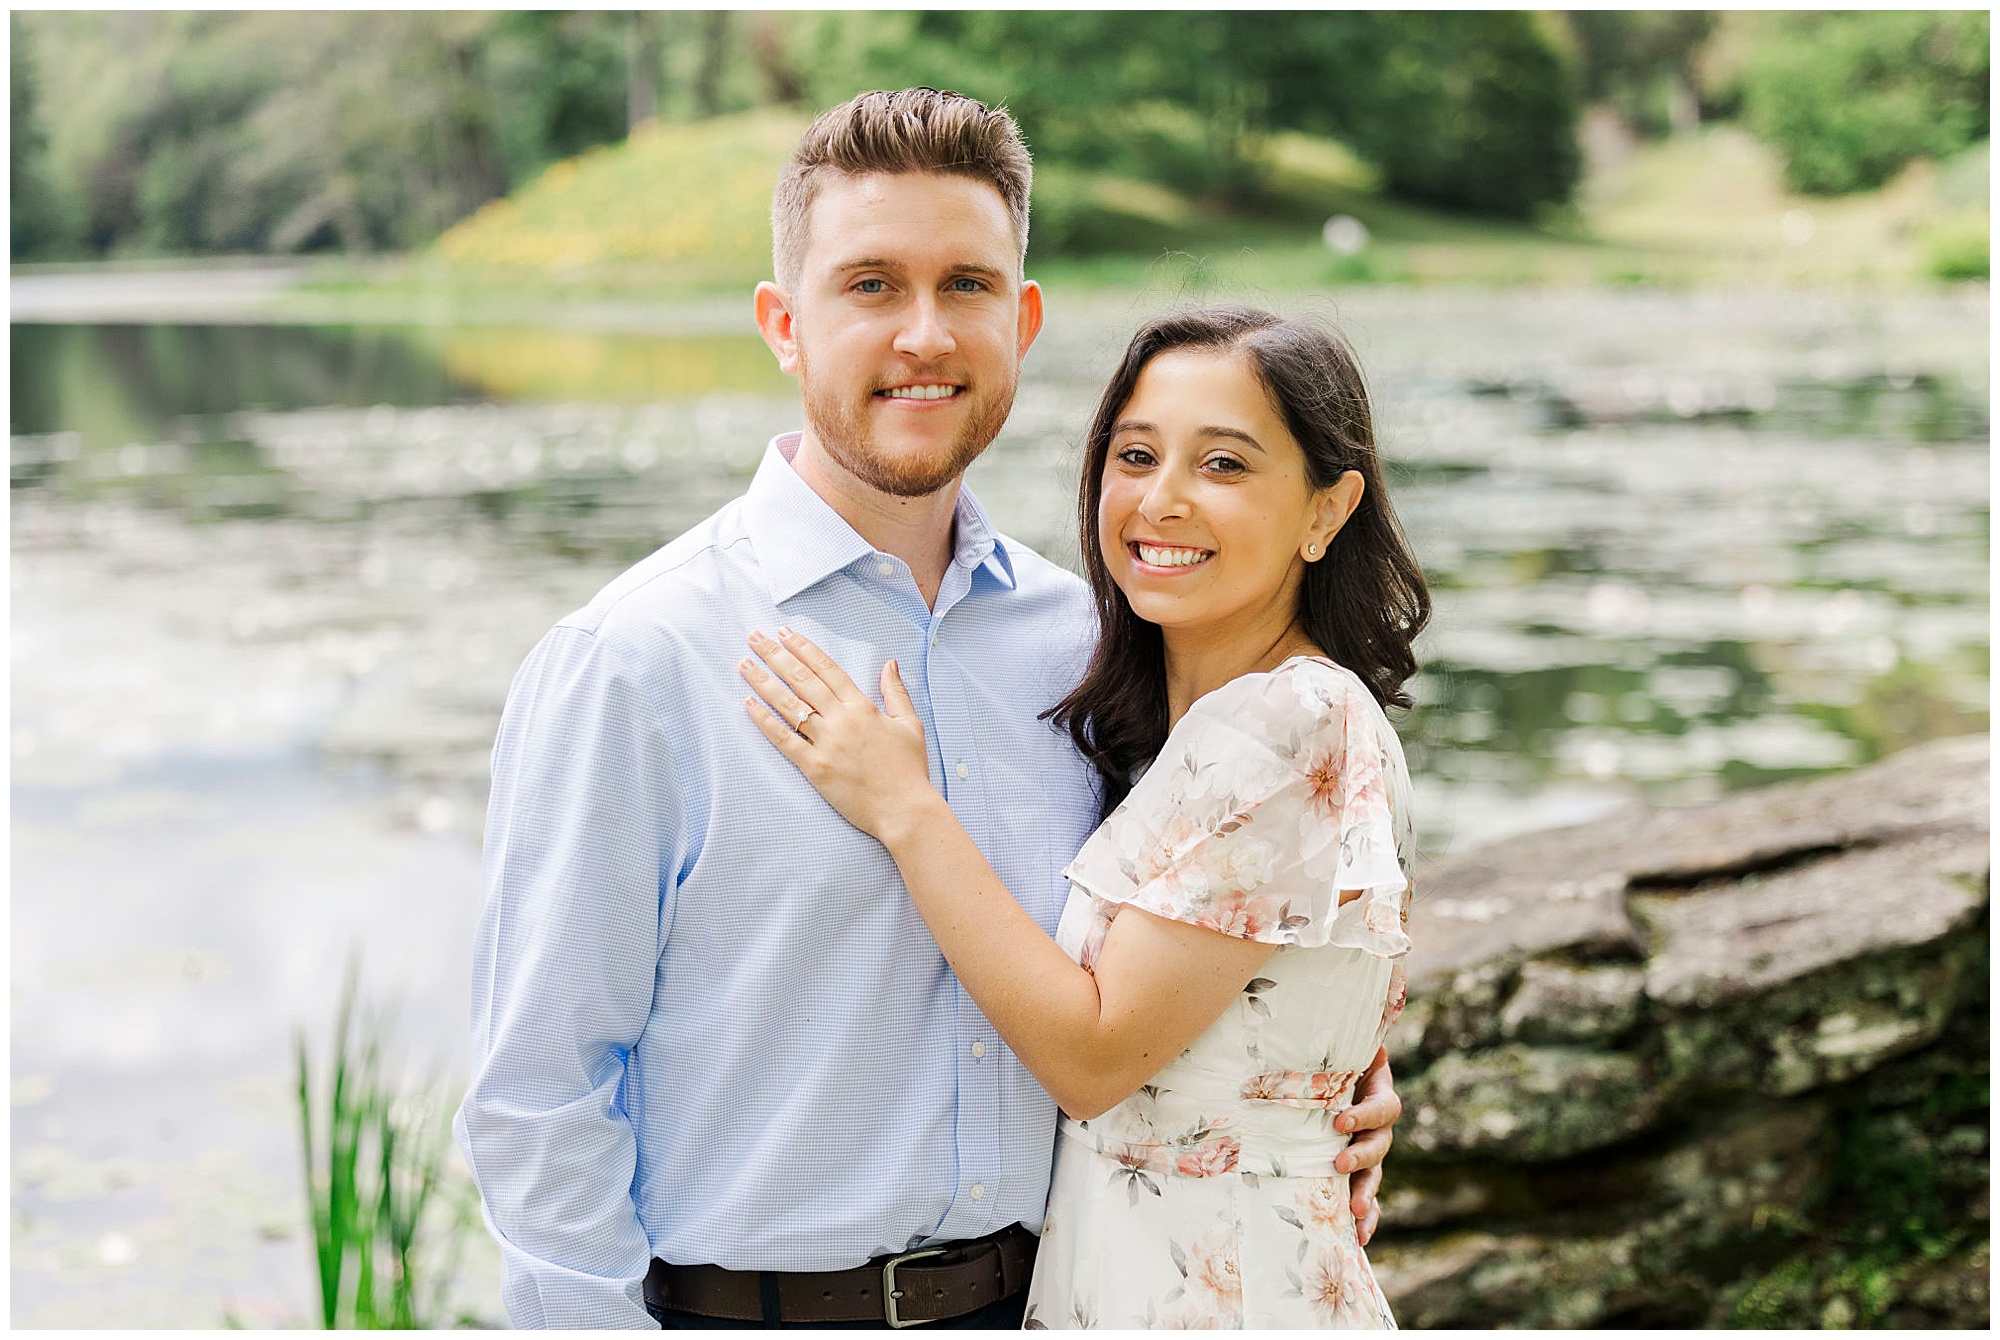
[906,1289]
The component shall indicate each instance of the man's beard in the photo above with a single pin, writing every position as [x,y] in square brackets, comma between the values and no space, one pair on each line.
[838,426]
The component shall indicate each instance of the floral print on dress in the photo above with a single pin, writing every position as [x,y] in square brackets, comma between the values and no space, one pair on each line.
[1207,1148]
[1270,799]
[1307,1088]
[1399,995]
[1208,1199]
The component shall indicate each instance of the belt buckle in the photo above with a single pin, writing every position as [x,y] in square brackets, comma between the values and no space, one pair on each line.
[890,1293]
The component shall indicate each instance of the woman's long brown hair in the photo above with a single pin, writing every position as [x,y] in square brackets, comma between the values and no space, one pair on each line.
[1363,603]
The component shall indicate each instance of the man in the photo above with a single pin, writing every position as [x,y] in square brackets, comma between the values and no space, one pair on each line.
[724,1074]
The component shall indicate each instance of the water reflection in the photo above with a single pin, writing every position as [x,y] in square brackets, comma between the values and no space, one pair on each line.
[537,363]
[1898,403]
[117,384]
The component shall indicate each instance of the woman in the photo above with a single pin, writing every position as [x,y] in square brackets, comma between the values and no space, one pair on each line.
[1227,962]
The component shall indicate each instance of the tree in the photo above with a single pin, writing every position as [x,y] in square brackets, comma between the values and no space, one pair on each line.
[1473,111]
[557,83]
[33,215]
[192,132]
[1849,98]
[642,68]
[1643,63]
[381,145]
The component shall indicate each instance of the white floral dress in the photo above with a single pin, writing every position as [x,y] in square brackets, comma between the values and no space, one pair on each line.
[1208,1199]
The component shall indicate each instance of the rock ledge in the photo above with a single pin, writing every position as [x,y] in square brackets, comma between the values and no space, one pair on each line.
[1637,1051]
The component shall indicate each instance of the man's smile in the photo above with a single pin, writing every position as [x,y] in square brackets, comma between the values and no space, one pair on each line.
[920,392]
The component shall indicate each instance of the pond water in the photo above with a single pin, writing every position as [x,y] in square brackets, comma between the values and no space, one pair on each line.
[269,584]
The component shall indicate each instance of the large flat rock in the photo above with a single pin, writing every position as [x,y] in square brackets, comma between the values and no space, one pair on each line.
[1897,850]
[1568,988]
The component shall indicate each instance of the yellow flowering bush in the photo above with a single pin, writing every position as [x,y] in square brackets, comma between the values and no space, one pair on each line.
[692,200]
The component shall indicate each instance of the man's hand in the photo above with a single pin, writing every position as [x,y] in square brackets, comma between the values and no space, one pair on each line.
[1372,1118]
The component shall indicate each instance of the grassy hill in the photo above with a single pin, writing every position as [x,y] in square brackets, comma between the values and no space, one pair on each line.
[686,204]
[683,210]
[1714,204]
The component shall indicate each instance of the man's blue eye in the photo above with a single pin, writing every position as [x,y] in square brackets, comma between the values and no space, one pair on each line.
[864,286]
[967,285]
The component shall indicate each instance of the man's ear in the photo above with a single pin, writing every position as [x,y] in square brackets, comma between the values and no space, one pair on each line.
[1030,320]
[775,324]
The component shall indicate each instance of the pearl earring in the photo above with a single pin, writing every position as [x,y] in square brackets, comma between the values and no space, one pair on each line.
[1312,551]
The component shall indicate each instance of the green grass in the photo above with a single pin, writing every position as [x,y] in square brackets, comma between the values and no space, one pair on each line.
[618,225]
[1713,207]
[374,1157]
[1960,247]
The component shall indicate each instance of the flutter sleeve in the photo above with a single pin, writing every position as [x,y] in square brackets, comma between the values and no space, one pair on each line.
[1270,798]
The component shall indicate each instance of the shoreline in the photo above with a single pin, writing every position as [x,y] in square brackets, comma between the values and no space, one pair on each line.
[393,291]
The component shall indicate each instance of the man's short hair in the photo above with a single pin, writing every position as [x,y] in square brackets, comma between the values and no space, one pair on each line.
[908,130]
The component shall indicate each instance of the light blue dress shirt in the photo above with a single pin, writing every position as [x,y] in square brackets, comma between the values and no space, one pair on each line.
[708,1024]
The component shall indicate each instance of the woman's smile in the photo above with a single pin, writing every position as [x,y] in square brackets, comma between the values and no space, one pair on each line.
[1167,560]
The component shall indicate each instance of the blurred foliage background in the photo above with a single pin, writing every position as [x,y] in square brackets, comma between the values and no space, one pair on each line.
[157,133]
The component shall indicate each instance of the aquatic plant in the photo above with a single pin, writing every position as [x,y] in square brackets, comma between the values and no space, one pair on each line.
[374,1149]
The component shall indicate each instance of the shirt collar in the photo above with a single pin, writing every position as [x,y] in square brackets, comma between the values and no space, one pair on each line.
[978,544]
[802,541]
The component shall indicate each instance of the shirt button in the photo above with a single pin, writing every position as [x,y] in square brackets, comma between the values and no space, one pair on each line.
[884,568]
[978,1051]
[964,771]
[978,1191]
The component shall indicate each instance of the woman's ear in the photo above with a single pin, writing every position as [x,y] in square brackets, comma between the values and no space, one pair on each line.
[1332,506]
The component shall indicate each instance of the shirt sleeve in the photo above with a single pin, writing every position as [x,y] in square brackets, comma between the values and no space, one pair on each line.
[1270,798]
[581,835]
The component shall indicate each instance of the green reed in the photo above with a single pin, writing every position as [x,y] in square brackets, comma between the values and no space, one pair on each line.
[374,1159]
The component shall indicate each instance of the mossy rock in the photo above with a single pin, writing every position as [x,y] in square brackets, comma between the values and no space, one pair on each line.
[1530,1103]
[1879,1289]
[1725,1066]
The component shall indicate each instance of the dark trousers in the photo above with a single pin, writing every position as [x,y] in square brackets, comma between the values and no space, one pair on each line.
[1004,1315]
